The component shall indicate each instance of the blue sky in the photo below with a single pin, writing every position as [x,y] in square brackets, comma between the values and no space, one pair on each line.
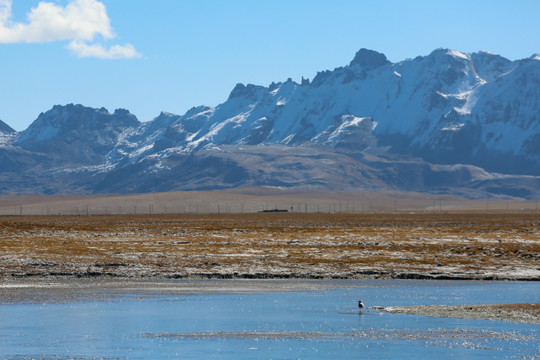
[170,55]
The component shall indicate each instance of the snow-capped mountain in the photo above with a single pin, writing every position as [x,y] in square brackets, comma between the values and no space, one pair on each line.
[447,107]
[476,116]
[77,135]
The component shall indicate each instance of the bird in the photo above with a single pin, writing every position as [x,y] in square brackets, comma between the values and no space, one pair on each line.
[360,304]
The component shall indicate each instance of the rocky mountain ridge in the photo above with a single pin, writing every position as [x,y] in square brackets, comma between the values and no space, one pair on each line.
[447,122]
[5,128]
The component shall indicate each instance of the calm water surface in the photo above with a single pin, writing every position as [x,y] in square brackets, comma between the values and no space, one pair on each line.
[319,324]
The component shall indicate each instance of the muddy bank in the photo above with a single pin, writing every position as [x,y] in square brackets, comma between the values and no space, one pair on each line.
[278,275]
[64,289]
[518,313]
[273,246]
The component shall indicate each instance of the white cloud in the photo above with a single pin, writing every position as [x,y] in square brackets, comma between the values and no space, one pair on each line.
[82,49]
[5,11]
[80,22]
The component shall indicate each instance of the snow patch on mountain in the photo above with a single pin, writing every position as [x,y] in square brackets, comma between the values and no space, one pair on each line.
[6,140]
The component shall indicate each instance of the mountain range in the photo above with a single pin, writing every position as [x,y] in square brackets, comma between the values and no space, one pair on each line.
[448,122]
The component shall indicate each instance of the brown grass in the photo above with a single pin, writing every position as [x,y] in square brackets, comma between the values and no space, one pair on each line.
[274,245]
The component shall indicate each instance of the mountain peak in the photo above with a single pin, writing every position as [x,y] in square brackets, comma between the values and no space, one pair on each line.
[5,128]
[488,55]
[72,124]
[487,52]
[248,91]
[489,65]
[237,91]
[122,112]
[455,54]
[197,110]
[369,59]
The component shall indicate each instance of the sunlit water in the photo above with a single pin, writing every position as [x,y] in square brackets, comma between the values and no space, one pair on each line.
[321,324]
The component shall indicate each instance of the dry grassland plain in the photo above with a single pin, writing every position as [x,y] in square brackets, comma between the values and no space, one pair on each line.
[274,245]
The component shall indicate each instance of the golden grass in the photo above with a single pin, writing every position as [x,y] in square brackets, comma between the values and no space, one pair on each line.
[302,245]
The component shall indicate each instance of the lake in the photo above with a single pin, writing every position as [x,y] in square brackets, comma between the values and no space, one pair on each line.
[276,322]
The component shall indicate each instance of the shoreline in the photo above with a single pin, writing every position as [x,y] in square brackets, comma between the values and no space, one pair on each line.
[65,289]
[368,275]
[517,313]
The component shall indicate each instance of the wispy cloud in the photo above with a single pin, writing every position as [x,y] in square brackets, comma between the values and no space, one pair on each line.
[82,49]
[80,22]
